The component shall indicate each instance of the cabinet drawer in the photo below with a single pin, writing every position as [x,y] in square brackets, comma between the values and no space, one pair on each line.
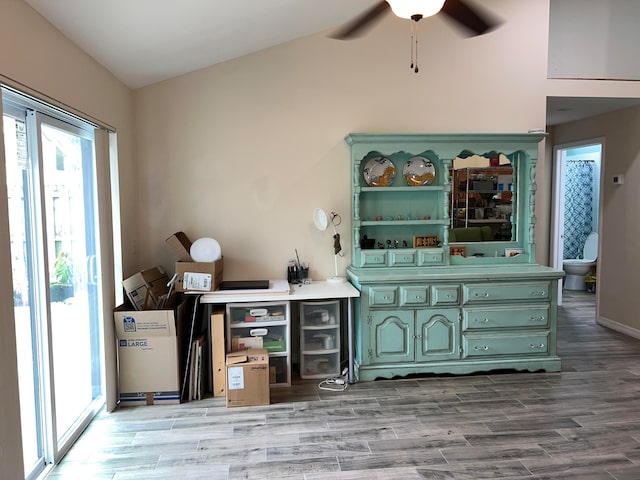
[247,313]
[497,345]
[414,295]
[402,258]
[319,314]
[533,316]
[506,291]
[430,256]
[271,337]
[314,339]
[382,296]
[373,258]
[445,294]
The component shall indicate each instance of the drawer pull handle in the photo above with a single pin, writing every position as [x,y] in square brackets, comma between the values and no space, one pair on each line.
[538,319]
[482,294]
[536,345]
[540,293]
[449,295]
[478,348]
[418,297]
[385,297]
[481,320]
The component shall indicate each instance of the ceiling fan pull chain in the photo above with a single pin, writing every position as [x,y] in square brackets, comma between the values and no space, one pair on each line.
[411,29]
[416,68]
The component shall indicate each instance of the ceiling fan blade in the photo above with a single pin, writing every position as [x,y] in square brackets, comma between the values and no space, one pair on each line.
[363,22]
[474,21]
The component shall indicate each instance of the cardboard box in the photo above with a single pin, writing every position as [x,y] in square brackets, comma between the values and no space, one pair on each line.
[218,353]
[244,343]
[199,276]
[180,245]
[147,357]
[147,289]
[248,378]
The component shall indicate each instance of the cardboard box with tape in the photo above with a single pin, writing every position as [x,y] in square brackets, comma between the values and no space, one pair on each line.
[248,378]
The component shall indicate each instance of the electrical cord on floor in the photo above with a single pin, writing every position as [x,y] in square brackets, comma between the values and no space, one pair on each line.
[335,384]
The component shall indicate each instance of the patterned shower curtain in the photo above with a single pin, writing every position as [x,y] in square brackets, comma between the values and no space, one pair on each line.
[578,205]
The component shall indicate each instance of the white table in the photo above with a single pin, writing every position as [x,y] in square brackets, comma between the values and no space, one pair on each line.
[281,290]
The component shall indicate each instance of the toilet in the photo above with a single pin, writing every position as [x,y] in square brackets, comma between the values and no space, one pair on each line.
[578,269]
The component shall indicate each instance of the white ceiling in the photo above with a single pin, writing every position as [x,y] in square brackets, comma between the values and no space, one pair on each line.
[146,41]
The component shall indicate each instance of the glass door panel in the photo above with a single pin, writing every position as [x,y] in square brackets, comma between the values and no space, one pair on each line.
[69,199]
[22,262]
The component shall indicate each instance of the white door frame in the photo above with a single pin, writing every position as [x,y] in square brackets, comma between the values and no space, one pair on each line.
[557,207]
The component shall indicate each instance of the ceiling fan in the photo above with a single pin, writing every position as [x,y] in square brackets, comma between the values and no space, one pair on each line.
[471,19]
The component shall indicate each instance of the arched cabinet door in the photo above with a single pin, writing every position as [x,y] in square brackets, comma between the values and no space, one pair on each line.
[392,336]
[437,334]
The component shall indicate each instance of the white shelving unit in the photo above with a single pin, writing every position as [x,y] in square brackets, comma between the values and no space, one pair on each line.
[272,322]
[319,339]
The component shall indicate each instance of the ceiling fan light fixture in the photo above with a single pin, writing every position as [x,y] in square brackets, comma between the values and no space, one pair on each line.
[415,8]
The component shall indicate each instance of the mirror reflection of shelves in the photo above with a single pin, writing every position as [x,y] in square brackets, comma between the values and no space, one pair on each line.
[482,196]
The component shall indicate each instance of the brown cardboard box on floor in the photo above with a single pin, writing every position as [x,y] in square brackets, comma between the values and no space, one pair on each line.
[147,356]
[248,378]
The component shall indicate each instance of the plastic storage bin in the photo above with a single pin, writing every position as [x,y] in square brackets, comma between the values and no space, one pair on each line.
[319,339]
[268,324]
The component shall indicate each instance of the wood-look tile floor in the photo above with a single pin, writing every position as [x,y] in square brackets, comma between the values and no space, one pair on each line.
[582,423]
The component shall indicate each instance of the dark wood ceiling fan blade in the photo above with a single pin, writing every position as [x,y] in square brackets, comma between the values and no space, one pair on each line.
[473,20]
[362,23]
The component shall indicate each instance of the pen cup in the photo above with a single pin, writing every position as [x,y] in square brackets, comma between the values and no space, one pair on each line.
[303,275]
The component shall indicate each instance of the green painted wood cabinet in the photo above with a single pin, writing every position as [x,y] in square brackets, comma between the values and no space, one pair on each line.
[431,306]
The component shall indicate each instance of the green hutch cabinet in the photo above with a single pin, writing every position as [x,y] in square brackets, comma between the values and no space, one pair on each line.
[439,295]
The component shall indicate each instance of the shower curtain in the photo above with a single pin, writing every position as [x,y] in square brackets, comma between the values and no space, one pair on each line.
[578,206]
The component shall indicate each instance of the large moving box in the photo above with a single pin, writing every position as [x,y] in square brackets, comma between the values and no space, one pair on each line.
[147,356]
[248,378]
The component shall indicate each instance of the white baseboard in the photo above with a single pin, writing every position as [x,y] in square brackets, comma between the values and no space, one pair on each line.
[619,327]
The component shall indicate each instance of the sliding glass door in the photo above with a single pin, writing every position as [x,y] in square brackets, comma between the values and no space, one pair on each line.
[51,178]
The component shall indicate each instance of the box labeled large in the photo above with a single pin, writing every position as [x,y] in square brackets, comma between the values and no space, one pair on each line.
[147,356]
[248,378]
[199,276]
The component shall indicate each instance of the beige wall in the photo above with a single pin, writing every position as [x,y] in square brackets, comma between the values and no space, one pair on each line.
[619,260]
[244,151]
[34,54]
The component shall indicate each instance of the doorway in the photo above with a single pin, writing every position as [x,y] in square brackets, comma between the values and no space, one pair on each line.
[576,199]
[51,186]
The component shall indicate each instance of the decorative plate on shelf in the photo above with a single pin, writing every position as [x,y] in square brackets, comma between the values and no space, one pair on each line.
[379,172]
[419,171]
